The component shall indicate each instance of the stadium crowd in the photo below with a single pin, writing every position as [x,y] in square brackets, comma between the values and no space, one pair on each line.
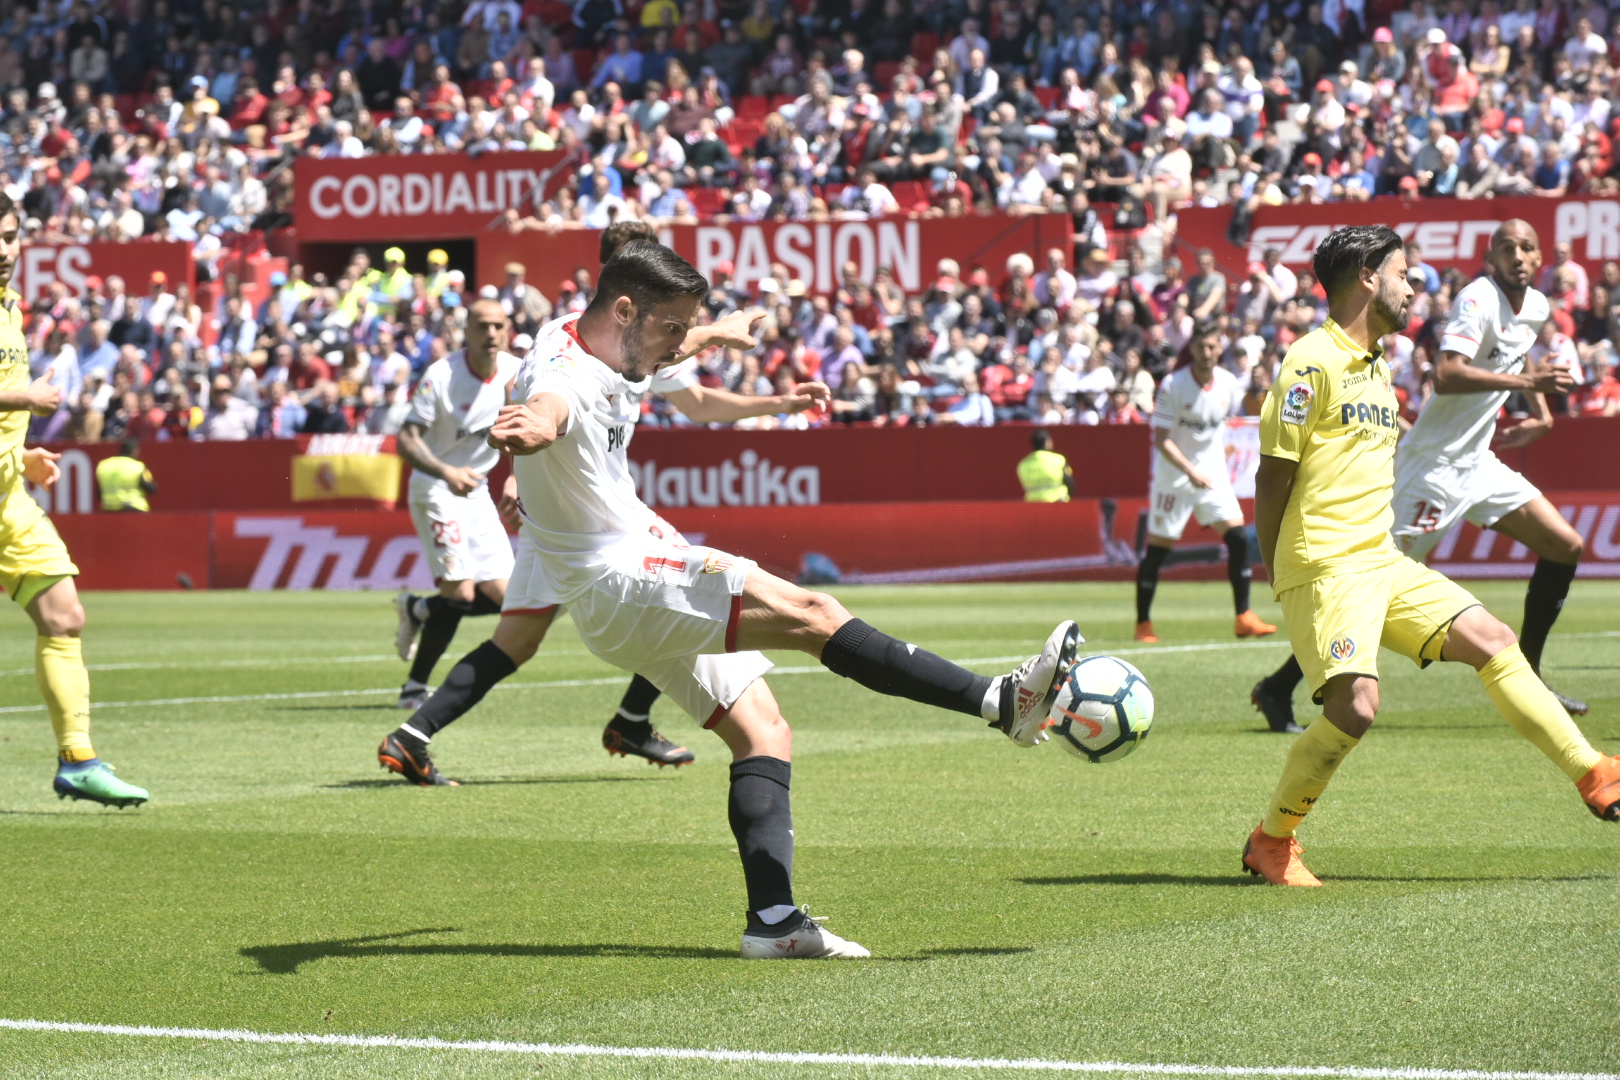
[178,120]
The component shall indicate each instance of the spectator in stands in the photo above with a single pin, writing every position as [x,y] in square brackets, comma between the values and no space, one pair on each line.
[228,418]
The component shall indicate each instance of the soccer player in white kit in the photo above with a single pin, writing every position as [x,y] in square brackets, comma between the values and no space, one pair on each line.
[445,438]
[1190,478]
[630,730]
[1445,470]
[688,618]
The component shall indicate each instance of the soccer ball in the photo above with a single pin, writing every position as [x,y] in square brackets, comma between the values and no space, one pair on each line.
[1103,709]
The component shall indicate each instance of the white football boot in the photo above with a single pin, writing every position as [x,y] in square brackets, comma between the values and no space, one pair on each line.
[811,941]
[1028,691]
[409,627]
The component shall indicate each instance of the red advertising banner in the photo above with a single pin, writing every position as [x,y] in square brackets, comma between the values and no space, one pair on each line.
[813,252]
[871,543]
[1452,232]
[702,468]
[415,196]
[43,265]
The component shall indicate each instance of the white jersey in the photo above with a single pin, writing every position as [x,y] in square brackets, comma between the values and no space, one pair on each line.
[1196,417]
[1455,428]
[578,497]
[456,409]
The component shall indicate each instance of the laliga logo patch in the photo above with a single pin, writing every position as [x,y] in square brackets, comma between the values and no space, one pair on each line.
[1296,403]
[1343,648]
[1469,305]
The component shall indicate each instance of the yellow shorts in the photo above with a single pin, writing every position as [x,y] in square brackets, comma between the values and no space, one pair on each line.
[1337,623]
[30,546]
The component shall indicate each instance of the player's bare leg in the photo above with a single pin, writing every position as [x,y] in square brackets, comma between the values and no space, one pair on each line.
[516,639]
[1540,527]
[761,815]
[64,683]
[777,614]
[434,619]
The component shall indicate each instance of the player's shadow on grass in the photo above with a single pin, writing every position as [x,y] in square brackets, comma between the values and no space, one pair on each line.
[287,959]
[380,706]
[1139,879]
[362,785]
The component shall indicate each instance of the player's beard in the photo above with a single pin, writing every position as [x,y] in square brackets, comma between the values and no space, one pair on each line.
[632,365]
[1389,308]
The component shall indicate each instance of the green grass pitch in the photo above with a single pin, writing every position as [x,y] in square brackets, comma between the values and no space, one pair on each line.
[1020,904]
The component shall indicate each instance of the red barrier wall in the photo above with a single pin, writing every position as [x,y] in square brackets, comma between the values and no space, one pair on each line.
[874,543]
[42,265]
[1452,232]
[689,467]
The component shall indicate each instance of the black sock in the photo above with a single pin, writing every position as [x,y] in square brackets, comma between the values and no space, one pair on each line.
[1238,571]
[1147,580]
[879,662]
[1549,585]
[483,604]
[444,615]
[1285,678]
[638,699]
[762,821]
[463,688]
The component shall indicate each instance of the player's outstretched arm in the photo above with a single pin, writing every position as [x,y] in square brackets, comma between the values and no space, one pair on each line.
[707,405]
[530,427]
[1454,374]
[414,449]
[42,398]
[734,331]
[1273,484]
[1532,427]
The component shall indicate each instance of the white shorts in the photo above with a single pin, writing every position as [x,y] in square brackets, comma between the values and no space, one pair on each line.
[1431,498]
[1174,499]
[663,610]
[462,535]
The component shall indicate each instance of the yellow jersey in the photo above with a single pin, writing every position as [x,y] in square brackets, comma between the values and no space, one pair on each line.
[120,479]
[1332,410]
[14,379]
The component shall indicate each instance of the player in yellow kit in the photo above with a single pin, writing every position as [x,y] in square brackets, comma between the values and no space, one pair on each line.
[1322,511]
[35,569]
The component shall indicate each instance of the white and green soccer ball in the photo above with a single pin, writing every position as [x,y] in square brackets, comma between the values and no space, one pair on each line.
[1102,710]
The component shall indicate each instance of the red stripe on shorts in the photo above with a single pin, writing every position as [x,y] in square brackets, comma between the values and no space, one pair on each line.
[731,623]
[529,610]
[715,717]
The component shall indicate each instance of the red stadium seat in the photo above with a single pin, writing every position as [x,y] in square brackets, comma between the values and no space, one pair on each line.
[779,100]
[1049,96]
[585,64]
[923,44]
[751,105]
[745,131]
[910,194]
[883,74]
[707,201]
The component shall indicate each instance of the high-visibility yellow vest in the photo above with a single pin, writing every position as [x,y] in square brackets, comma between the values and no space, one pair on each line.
[1042,473]
[120,481]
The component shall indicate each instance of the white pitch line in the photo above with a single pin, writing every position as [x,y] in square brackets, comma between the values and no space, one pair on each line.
[492,1046]
[246,662]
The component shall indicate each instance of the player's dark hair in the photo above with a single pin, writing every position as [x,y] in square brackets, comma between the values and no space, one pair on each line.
[131,446]
[1040,438]
[620,233]
[649,274]
[1203,329]
[1346,252]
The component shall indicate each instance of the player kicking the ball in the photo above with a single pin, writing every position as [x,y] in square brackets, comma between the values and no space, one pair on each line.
[1322,511]
[1445,472]
[690,619]
[1189,477]
[630,731]
[34,565]
[445,438]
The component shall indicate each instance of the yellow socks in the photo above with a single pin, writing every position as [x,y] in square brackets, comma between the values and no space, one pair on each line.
[65,685]
[1534,713]
[1312,760]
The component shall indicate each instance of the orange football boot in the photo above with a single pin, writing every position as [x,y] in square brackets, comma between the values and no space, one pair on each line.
[1276,859]
[1600,787]
[1249,624]
[1145,634]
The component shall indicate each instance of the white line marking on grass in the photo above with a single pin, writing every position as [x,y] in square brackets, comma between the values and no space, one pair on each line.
[249,662]
[491,1046]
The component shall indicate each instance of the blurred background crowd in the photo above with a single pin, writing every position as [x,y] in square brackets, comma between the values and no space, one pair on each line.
[179,120]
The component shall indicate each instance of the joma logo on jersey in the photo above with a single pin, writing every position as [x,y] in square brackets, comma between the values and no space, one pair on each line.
[1342,648]
[1362,413]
